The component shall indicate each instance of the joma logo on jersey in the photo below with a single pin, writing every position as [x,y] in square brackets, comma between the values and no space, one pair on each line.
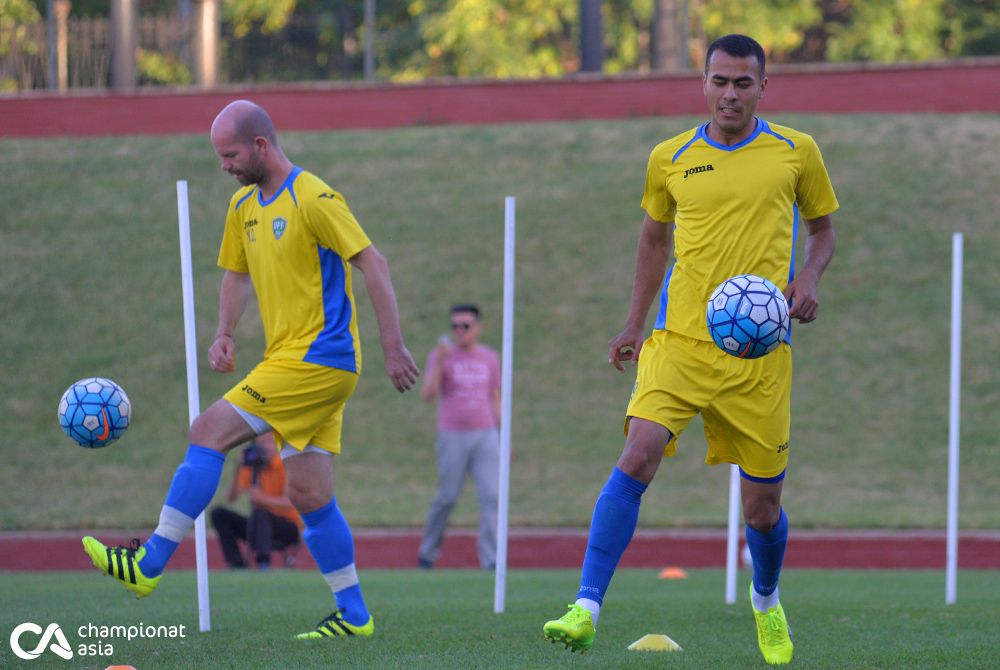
[696,170]
[782,447]
[248,227]
[253,394]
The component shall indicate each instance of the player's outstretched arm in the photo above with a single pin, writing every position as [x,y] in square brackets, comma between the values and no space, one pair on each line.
[233,297]
[399,364]
[802,293]
[651,256]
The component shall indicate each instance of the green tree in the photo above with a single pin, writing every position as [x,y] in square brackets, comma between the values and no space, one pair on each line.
[15,15]
[398,36]
[889,30]
[779,25]
[972,28]
[15,18]
[161,68]
[271,15]
[626,35]
[520,38]
[492,38]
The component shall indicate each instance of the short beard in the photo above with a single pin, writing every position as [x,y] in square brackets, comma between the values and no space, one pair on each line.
[254,175]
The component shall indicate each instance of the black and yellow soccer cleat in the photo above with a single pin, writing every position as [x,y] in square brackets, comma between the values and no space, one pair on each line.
[335,626]
[122,563]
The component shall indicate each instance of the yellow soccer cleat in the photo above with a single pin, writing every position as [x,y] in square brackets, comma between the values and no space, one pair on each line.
[575,629]
[122,563]
[774,637]
[335,626]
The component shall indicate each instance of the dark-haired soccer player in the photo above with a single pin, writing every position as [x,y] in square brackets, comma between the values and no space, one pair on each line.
[726,197]
[293,240]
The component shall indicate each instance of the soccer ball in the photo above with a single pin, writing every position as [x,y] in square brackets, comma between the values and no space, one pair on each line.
[747,316]
[95,412]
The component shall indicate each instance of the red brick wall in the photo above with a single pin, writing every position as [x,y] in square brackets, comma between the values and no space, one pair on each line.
[969,86]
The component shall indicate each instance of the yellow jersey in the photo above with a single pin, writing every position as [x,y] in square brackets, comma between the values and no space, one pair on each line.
[296,247]
[735,210]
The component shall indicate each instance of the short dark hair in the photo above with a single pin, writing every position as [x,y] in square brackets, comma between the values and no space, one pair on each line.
[466,307]
[739,46]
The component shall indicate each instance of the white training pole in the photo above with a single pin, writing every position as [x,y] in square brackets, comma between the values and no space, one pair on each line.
[732,534]
[194,403]
[506,377]
[951,569]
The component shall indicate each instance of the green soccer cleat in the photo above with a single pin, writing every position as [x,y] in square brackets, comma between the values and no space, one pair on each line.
[774,637]
[575,629]
[335,626]
[122,563]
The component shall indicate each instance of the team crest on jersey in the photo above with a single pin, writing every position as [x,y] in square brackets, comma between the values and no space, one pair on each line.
[278,226]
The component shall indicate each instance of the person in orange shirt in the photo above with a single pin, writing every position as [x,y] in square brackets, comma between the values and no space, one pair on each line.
[273,524]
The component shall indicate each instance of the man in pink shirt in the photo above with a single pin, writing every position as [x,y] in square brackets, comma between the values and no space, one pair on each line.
[465,375]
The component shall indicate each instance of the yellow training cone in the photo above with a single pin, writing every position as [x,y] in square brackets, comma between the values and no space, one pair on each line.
[654,642]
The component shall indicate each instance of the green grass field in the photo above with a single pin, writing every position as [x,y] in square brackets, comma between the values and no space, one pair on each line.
[444,619]
[90,270]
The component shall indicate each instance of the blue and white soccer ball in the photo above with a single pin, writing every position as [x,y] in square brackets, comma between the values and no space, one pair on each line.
[95,412]
[747,316]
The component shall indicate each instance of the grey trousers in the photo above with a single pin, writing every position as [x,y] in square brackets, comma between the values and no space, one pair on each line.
[476,452]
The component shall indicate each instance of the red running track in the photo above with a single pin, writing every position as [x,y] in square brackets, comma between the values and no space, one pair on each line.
[950,87]
[560,548]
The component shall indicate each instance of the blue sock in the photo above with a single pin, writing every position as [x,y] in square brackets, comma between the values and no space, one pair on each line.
[611,529]
[330,542]
[190,492]
[768,552]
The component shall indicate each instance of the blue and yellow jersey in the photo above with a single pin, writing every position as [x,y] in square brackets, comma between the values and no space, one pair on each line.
[296,248]
[735,210]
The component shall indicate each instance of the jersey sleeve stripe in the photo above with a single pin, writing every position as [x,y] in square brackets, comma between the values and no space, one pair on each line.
[243,199]
[684,148]
[766,128]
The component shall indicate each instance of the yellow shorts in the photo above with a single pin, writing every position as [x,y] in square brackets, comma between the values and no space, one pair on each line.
[745,404]
[302,402]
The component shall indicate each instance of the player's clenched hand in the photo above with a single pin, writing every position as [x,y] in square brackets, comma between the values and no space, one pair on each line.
[222,354]
[625,346]
[401,369]
[803,297]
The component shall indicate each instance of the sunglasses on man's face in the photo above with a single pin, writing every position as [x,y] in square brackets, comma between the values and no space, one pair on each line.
[461,325]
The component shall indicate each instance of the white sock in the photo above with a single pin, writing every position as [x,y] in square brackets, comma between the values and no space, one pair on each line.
[591,606]
[763,603]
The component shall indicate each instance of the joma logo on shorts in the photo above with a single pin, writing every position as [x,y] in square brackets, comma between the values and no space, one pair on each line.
[700,168]
[782,447]
[253,394]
